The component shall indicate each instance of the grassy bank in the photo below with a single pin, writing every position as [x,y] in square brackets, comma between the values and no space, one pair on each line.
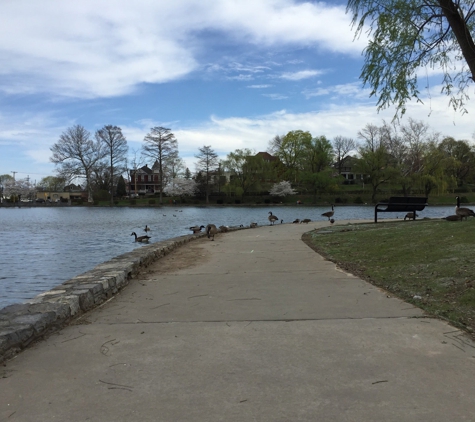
[428,263]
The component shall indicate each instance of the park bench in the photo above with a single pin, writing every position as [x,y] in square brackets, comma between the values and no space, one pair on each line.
[401,204]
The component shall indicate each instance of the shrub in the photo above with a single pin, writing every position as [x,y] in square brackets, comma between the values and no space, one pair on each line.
[358,200]
[133,202]
[152,202]
[237,201]
[220,201]
[266,201]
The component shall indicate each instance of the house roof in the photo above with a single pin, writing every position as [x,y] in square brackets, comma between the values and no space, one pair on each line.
[266,156]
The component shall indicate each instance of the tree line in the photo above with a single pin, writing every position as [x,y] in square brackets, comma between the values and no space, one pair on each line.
[410,156]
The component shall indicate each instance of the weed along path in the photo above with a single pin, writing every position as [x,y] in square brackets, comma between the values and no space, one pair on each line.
[252,326]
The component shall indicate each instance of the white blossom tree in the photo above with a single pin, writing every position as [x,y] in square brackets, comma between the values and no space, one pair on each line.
[179,186]
[283,188]
[18,189]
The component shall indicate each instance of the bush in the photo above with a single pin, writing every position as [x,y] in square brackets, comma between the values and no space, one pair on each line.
[464,200]
[358,200]
[133,202]
[116,202]
[152,202]
[266,201]
[220,201]
[237,201]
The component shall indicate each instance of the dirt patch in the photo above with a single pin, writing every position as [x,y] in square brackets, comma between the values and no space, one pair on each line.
[184,257]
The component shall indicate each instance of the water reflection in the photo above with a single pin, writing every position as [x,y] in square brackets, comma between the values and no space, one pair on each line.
[43,247]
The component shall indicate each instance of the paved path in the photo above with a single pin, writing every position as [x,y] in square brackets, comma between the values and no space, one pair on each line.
[259,329]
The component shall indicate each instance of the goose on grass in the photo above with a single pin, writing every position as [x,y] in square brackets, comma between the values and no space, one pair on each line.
[463,212]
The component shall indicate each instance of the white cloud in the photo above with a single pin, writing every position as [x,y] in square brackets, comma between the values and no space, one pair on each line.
[259,86]
[301,74]
[98,48]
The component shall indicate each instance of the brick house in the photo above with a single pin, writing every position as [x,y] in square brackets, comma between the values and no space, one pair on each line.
[144,180]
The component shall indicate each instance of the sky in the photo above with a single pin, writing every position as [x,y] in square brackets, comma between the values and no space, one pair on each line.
[225,73]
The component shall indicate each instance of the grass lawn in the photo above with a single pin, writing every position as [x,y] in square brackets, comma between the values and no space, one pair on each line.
[430,263]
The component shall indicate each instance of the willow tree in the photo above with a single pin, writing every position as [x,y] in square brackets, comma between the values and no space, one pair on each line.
[406,36]
[161,145]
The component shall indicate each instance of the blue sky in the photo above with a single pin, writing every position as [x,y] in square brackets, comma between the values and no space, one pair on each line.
[226,73]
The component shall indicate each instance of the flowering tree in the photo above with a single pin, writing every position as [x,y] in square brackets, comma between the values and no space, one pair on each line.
[179,186]
[16,189]
[283,188]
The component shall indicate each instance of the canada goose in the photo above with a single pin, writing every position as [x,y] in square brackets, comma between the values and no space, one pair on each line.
[329,214]
[281,221]
[410,216]
[452,218]
[463,212]
[211,230]
[296,221]
[253,225]
[305,220]
[146,229]
[272,218]
[332,220]
[196,229]
[144,238]
[223,229]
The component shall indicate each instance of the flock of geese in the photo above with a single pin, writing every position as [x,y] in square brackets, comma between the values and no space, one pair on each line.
[211,229]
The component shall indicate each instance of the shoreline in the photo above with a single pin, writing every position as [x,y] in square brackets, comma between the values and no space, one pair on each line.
[24,323]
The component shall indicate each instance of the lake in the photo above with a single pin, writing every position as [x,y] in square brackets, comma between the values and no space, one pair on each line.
[42,247]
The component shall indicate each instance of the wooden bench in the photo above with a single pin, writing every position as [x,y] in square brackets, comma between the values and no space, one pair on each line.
[401,204]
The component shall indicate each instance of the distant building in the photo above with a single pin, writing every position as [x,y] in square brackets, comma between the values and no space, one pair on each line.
[267,157]
[145,180]
[347,169]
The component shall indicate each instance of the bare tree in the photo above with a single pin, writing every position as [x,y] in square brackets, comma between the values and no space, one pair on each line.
[76,154]
[160,145]
[275,144]
[116,146]
[341,148]
[207,163]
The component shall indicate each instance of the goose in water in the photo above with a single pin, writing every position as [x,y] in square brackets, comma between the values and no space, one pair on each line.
[196,229]
[146,229]
[272,218]
[329,214]
[144,238]
[463,212]
[211,230]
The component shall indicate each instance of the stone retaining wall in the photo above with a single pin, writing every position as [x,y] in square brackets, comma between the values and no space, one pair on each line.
[21,324]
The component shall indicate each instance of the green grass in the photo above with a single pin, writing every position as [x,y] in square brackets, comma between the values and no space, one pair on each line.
[428,263]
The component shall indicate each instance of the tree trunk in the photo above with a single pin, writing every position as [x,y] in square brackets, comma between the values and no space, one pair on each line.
[461,32]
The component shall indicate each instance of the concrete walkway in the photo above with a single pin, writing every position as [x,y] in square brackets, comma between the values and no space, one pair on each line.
[260,329]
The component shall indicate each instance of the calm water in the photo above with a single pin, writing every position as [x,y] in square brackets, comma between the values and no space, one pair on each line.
[43,247]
